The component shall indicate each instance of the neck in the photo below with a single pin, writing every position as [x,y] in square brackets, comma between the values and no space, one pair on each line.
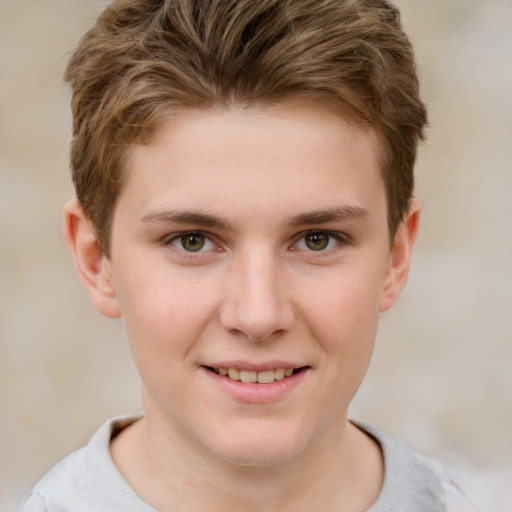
[342,470]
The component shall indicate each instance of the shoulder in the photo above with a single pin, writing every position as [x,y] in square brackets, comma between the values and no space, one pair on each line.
[86,480]
[34,502]
[413,481]
[63,482]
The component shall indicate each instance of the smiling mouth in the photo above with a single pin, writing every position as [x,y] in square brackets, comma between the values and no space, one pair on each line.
[265,377]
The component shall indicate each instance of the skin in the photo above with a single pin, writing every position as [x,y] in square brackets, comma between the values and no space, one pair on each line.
[257,187]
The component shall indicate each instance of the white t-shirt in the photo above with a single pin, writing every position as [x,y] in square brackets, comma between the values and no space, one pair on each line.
[88,480]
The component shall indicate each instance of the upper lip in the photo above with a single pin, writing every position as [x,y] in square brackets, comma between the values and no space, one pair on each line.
[251,366]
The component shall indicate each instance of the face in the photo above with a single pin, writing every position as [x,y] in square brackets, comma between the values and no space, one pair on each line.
[253,243]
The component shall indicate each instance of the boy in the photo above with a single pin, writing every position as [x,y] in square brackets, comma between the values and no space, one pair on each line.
[244,179]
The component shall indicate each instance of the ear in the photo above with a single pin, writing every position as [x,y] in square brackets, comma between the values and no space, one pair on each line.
[93,267]
[400,257]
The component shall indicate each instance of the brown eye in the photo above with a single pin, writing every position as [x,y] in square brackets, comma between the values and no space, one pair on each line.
[192,242]
[316,241]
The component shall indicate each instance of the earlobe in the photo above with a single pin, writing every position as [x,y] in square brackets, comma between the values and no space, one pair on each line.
[400,257]
[93,267]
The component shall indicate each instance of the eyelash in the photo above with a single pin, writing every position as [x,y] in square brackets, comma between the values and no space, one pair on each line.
[168,241]
[339,238]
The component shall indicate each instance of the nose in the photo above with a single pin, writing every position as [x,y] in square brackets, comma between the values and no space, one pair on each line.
[256,303]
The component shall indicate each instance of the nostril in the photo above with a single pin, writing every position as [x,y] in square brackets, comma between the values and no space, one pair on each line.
[269,334]
[256,309]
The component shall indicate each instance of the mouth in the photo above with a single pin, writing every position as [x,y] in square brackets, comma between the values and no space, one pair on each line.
[263,377]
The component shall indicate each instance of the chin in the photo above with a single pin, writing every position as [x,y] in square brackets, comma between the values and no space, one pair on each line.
[259,457]
[260,451]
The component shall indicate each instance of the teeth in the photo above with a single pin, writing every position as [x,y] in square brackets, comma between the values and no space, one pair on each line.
[265,377]
[233,373]
[248,376]
[279,373]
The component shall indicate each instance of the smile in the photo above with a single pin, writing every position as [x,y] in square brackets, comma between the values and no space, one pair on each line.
[264,377]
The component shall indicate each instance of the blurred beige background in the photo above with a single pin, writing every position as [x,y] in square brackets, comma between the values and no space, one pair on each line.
[441,379]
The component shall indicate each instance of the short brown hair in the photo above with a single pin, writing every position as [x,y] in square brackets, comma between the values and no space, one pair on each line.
[145,59]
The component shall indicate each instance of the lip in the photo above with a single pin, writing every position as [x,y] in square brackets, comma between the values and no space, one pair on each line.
[254,393]
[256,367]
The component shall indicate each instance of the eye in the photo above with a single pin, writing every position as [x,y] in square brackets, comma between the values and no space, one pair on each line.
[192,242]
[318,241]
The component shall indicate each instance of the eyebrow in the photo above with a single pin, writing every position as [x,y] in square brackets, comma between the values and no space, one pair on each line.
[342,213]
[185,217]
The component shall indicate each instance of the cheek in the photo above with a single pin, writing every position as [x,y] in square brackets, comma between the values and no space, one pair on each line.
[345,304]
[343,316]
[164,314]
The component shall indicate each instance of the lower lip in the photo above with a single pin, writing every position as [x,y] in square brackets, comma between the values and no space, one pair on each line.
[252,392]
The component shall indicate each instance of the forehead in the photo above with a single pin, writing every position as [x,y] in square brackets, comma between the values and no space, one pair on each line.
[296,155]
